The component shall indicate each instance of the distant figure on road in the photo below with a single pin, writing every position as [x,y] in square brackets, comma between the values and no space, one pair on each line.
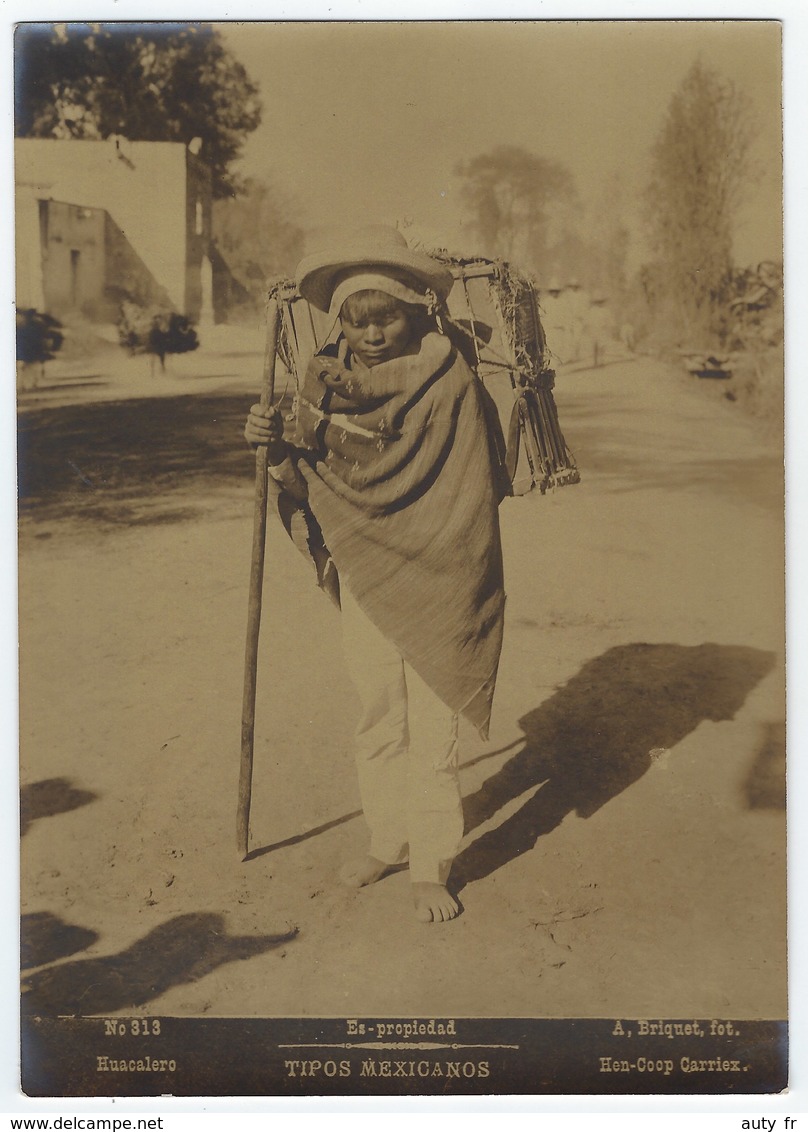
[556,320]
[628,337]
[576,311]
[599,328]
[39,337]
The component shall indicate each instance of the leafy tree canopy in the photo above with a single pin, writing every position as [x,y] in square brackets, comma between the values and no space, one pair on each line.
[509,193]
[257,234]
[147,82]
[700,169]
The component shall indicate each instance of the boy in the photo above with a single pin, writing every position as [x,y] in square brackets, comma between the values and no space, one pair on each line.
[391,463]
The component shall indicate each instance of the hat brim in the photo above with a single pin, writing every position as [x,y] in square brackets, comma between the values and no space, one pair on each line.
[317,274]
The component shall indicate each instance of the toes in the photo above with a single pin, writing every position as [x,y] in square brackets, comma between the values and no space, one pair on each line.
[357,874]
[436,913]
[434,904]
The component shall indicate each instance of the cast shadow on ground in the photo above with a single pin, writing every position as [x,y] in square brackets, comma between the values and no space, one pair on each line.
[49,797]
[297,838]
[182,950]
[92,380]
[598,734]
[765,786]
[116,462]
[44,938]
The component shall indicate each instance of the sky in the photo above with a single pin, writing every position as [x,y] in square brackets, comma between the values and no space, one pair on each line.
[367,122]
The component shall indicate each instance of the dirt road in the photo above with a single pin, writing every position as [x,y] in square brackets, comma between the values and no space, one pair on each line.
[625,823]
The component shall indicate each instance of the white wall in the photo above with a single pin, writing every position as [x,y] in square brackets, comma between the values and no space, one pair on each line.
[140,184]
[29,291]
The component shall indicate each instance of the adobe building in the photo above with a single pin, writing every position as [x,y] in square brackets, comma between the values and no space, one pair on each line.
[102,221]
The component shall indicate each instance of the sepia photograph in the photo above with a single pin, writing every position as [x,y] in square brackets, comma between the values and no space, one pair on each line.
[401,557]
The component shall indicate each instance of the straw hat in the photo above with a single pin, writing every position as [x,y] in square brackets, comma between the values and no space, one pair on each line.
[360,250]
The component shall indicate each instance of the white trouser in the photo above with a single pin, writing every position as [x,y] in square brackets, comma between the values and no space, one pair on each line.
[406,754]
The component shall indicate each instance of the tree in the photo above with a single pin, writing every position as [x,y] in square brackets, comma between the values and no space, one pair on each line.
[147,82]
[700,168]
[257,235]
[509,193]
[594,251]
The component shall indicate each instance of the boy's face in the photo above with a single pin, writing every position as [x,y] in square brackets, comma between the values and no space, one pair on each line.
[378,338]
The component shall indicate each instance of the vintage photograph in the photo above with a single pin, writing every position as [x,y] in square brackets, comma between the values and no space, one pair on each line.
[401,557]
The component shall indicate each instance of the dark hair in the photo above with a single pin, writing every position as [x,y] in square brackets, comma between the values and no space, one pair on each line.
[362,306]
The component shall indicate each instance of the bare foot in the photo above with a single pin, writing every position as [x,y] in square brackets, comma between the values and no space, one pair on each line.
[433,902]
[363,870]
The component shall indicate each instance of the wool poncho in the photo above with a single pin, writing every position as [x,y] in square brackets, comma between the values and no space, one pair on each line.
[401,484]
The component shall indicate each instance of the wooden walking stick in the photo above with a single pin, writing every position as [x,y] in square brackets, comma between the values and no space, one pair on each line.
[256,588]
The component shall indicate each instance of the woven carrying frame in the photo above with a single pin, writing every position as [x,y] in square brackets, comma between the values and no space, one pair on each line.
[493,316]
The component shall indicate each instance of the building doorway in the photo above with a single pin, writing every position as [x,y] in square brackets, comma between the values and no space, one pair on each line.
[75,256]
